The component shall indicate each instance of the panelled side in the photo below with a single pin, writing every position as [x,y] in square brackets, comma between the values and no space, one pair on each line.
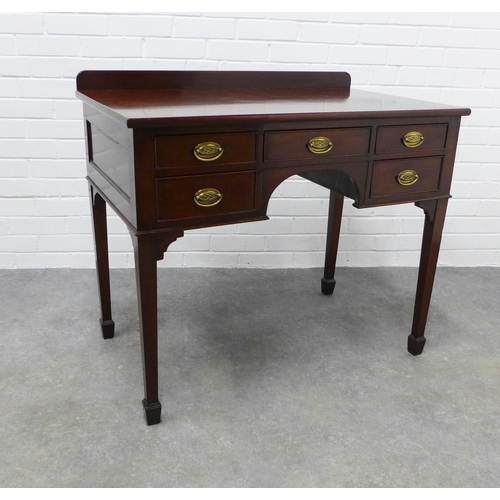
[110,160]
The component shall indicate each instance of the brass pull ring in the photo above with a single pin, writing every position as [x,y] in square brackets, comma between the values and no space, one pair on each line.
[413,139]
[319,145]
[208,151]
[407,177]
[207,197]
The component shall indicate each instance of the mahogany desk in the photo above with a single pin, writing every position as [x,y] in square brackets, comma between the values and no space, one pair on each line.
[176,150]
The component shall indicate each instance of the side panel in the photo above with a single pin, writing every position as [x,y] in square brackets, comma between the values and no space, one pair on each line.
[110,161]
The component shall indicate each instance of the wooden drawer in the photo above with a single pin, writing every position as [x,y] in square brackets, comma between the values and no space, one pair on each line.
[179,150]
[176,195]
[391,139]
[296,145]
[385,181]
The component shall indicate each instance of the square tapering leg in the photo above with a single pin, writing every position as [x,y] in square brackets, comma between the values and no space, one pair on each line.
[100,230]
[332,242]
[435,212]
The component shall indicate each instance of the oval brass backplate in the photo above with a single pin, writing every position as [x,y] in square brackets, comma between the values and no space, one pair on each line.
[208,151]
[407,177]
[319,145]
[207,197]
[413,139]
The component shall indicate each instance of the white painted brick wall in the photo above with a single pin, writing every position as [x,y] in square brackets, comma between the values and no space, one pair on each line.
[452,58]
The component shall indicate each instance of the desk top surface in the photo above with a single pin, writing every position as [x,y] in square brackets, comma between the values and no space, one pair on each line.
[159,98]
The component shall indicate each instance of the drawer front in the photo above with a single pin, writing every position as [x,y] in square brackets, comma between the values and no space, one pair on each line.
[316,144]
[204,149]
[410,138]
[201,196]
[407,176]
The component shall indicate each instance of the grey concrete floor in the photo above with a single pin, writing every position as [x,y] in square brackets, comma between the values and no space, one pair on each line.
[264,381]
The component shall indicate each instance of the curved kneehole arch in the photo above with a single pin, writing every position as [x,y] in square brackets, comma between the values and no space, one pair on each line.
[337,180]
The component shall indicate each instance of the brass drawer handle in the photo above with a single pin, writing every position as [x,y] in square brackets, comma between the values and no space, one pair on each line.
[413,139]
[208,151]
[319,145]
[407,177]
[207,197]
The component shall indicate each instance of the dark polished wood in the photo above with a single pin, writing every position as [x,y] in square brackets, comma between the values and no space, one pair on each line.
[435,211]
[98,206]
[332,241]
[146,254]
[177,150]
